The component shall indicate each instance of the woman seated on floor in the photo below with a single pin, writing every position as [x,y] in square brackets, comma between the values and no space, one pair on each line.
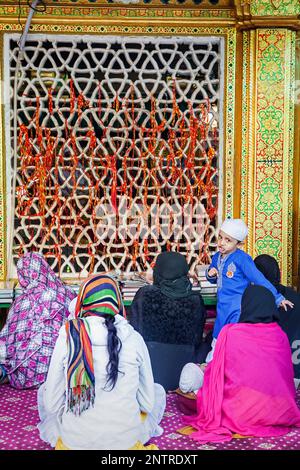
[288,320]
[33,322]
[248,387]
[99,392]
[170,317]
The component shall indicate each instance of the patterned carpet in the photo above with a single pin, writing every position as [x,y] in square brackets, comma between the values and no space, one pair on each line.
[19,417]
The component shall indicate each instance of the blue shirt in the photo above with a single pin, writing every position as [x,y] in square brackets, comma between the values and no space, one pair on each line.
[236,271]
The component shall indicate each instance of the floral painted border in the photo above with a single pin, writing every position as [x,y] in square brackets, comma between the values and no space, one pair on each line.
[274,7]
[102,12]
[267,156]
[2,181]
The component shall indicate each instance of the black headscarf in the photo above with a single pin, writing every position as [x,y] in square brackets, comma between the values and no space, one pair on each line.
[170,275]
[258,306]
[269,267]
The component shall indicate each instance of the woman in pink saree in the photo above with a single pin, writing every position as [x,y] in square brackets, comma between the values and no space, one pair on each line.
[35,317]
[248,387]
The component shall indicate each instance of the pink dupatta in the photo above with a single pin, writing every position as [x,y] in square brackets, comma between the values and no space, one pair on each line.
[248,387]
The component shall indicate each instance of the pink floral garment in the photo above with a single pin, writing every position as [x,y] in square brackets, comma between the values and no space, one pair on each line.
[33,322]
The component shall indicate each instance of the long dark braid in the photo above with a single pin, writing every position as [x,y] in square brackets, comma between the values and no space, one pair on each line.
[114,346]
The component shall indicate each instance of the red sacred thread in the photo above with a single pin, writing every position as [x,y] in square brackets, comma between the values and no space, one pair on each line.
[72,97]
[116,103]
[146,251]
[113,193]
[175,108]
[38,129]
[92,141]
[169,162]
[50,100]
[82,103]
[136,245]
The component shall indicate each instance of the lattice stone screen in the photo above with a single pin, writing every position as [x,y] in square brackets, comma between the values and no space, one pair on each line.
[118,149]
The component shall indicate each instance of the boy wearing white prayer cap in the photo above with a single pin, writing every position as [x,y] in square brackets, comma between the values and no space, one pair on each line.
[232,270]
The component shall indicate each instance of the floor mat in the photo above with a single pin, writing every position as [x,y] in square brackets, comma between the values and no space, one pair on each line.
[19,417]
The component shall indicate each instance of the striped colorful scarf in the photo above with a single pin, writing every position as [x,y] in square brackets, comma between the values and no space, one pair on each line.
[98,296]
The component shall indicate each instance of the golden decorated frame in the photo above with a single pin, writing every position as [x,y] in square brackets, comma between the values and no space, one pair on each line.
[237,24]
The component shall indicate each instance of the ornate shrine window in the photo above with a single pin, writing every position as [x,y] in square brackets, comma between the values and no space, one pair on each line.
[114,149]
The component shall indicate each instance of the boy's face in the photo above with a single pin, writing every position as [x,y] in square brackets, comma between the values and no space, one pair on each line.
[226,244]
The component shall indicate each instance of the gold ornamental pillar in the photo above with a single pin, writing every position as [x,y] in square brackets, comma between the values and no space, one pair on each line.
[269,156]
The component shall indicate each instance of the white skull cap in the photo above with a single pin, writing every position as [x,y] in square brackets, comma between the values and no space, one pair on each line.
[235,228]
